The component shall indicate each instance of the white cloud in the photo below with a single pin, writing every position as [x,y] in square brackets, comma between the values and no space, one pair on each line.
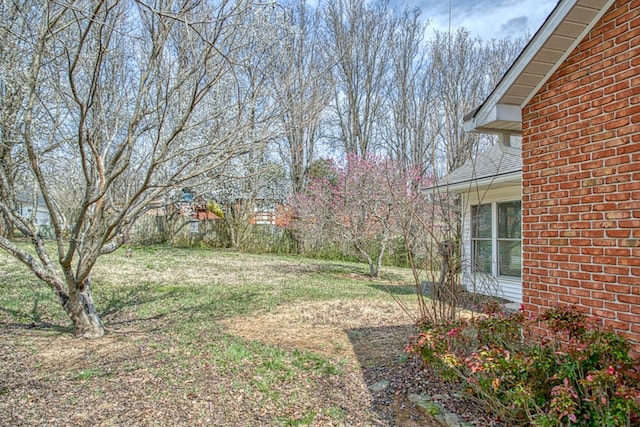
[487,19]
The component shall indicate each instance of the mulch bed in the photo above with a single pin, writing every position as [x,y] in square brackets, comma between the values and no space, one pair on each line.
[408,378]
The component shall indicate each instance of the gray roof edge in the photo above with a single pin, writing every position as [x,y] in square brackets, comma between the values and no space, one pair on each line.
[471,183]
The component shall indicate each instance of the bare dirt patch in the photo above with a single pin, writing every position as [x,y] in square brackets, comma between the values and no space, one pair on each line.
[371,336]
[328,327]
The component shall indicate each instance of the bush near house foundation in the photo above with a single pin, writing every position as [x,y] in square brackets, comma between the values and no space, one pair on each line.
[577,375]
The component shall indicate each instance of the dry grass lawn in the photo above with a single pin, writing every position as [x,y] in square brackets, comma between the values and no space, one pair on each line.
[201,337]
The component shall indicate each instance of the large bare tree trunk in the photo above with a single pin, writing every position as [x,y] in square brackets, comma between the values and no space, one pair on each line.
[75,297]
[80,308]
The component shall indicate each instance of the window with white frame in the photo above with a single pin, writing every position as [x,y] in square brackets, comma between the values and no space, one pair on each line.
[481,238]
[496,238]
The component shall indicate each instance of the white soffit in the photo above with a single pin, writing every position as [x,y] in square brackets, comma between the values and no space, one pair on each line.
[563,30]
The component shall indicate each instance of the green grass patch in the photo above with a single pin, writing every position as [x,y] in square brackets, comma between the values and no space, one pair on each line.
[87,374]
[305,420]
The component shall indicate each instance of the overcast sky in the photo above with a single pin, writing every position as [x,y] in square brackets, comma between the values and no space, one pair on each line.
[486,19]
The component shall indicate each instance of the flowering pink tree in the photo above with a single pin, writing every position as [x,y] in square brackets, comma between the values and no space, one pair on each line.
[360,203]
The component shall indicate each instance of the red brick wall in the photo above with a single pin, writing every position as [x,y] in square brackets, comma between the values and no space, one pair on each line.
[581,179]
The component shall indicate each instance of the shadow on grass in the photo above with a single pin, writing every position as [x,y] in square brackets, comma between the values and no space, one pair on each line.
[122,309]
[33,314]
[394,289]
[346,270]
[178,308]
[230,302]
[37,312]
[380,354]
[45,326]
[324,268]
[133,297]
[32,317]
[360,271]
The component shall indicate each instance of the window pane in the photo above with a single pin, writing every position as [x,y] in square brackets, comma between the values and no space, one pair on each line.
[509,252]
[509,220]
[481,221]
[482,256]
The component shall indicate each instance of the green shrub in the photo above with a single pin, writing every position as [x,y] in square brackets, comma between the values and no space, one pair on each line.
[578,375]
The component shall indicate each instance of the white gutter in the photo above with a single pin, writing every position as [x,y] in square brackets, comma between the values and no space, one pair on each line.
[504,142]
[472,183]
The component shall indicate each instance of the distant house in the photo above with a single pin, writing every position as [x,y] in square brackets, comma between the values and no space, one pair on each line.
[573,95]
[27,207]
[262,207]
[196,209]
[30,207]
[266,209]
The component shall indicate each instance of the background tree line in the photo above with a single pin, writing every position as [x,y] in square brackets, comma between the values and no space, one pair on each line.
[361,78]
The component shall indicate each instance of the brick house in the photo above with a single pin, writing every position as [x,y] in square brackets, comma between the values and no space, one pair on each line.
[573,95]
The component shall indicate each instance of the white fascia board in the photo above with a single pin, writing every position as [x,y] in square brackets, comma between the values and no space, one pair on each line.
[605,7]
[527,55]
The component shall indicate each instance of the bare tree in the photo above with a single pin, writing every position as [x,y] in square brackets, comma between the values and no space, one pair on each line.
[358,35]
[250,184]
[12,155]
[408,137]
[303,86]
[246,179]
[124,102]
[464,70]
